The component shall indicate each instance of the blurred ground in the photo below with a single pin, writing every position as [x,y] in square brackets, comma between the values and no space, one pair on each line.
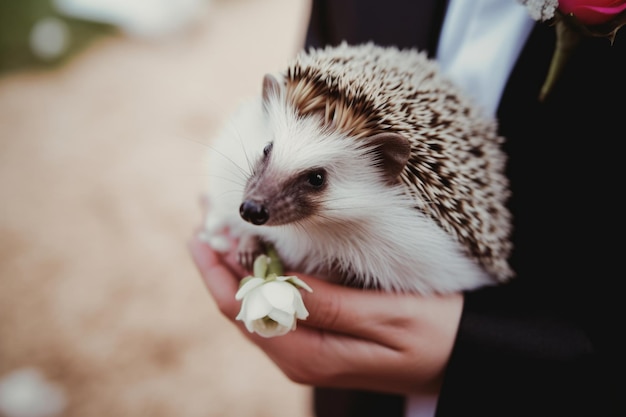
[100,174]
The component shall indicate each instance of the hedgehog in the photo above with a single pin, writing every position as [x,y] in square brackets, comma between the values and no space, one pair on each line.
[364,163]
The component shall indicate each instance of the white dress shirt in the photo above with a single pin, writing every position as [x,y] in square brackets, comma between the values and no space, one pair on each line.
[480,42]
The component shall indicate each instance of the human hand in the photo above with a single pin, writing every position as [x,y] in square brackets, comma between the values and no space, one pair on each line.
[353,338]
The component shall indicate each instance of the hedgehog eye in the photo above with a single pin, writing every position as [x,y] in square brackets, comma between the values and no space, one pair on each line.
[316,178]
[267,149]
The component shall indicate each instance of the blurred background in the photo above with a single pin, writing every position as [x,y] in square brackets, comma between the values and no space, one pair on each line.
[106,108]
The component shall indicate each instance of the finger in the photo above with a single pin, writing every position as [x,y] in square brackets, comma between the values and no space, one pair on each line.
[367,313]
[219,278]
[311,356]
[342,309]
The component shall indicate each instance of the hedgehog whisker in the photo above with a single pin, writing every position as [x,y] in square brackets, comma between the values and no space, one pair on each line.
[243,148]
[239,170]
[234,180]
[240,173]
[301,227]
[227,192]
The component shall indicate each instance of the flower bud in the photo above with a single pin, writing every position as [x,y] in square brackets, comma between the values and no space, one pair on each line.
[271,306]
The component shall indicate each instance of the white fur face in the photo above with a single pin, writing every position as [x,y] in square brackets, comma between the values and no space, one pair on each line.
[313,175]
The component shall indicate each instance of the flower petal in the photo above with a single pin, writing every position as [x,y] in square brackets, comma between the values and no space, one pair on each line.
[243,310]
[248,286]
[301,311]
[269,328]
[282,317]
[592,14]
[249,325]
[260,266]
[280,295]
[242,316]
[299,283]
[257,305]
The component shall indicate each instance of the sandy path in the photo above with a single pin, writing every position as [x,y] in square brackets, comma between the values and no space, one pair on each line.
[100,171]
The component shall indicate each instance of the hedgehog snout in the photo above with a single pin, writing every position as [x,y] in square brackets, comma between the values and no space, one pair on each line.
[254,212]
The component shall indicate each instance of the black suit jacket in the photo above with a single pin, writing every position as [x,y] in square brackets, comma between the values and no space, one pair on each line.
[549,343]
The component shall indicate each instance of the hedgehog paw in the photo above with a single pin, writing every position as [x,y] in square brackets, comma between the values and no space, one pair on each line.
[250,247]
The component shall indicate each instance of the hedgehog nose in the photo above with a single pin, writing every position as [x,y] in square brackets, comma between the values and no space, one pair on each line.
[254,212]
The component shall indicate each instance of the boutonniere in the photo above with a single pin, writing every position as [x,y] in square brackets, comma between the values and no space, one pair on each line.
[271,302]
[574,20]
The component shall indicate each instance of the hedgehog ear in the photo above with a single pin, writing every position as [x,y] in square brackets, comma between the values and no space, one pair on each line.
[393,150]
[271,87]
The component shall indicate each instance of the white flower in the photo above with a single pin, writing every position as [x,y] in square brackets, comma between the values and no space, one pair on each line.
[272,306]
[541,9]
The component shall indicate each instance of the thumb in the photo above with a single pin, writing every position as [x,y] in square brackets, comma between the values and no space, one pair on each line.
[349,310]
[219,278]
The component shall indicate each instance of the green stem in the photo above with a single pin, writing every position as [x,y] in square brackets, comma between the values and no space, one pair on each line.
[275,265]
[566,41]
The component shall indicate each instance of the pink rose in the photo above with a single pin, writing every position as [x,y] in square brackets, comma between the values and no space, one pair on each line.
[592,12]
